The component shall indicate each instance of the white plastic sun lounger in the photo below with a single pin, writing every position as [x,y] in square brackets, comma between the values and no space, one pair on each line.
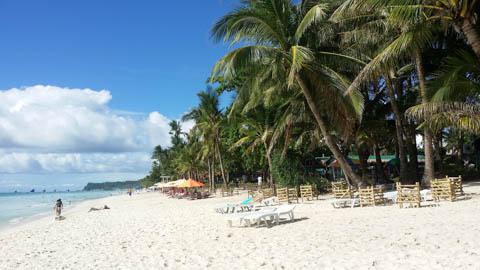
[241,217]
[233,208]
[286,210]
[272,216]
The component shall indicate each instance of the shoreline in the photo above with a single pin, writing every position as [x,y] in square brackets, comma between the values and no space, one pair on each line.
[48,214]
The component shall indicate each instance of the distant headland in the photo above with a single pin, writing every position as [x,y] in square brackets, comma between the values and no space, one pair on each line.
[112,185]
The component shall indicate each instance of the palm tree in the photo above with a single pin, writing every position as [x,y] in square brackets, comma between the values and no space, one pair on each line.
[365,31]
[290,45]
[257,129]
[461,15]
[176,133]
[412,32]
[209,119]
[187,162]
[453,96]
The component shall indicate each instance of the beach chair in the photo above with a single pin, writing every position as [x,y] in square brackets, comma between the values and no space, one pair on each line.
[370,196]
[270,215]
[270,201]
[282,195]
[341,190]
[442,189]
[457,186]
[306,192]
[267,192]
[408,194]
[343,195]
[286,210]
[292,195]
[251,217]
[251,189]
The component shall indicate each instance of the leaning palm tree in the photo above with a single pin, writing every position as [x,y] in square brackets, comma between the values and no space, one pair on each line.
[290,46]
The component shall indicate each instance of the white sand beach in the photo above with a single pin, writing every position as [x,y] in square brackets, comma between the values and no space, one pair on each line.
[150,231]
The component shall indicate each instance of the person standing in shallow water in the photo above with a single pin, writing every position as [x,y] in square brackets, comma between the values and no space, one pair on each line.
[58,208]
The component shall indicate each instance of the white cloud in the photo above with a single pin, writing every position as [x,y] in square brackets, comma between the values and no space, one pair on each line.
[74,162]
[49,129]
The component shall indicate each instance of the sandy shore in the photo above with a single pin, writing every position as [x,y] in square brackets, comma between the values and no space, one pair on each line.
[149,231]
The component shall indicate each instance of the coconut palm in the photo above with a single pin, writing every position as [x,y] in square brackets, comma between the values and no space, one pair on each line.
[292,46]
[454,96]
[412,33]
[257,131]
[461,15]
[208,119]
[365,30]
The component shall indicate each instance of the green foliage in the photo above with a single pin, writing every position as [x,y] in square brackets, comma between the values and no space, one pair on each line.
[312,77]
[112,185]
[287,171]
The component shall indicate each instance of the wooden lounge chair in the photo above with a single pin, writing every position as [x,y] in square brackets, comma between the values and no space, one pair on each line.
[371,196]
[267,192]
[457,186]
[341,190]
[306,192]
[282,195]
[342,194]
[408,194]
[448,188]
[443,189]
[292,195]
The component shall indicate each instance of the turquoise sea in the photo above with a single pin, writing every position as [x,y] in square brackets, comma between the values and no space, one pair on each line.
[16,208]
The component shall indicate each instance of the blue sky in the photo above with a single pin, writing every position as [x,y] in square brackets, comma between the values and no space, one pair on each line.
[57,127]
[151,55]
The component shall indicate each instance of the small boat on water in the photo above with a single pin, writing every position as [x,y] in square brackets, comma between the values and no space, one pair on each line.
[33,190]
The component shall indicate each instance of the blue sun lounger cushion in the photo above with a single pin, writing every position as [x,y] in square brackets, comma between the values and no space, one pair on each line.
[247,201]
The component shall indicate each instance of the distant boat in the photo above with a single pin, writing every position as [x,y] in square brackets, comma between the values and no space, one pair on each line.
[44,191]
[54,190]
[16,191]
[68,190]
[33,190]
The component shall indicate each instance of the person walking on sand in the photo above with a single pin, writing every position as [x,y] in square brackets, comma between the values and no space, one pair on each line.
[58,208]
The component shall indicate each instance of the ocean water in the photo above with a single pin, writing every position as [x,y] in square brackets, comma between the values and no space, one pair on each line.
[15,208]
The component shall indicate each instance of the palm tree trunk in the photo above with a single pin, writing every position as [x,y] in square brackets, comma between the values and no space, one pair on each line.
[329,139]
[363,154]
[213,169]
[460,149]
[412,152]
[379,164]
[429,172]
[268,154]
[220,160]
[209,173]
[473,39]
[398,129]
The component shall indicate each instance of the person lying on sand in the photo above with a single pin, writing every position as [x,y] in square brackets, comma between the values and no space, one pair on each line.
[98,209]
